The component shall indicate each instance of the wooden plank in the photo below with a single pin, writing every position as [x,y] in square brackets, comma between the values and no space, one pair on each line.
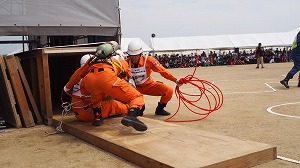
[34,78]
[170,145]
[30,54]
[17,86]
[44,88]
[41,88]
[9,111]
[48,98]
[29,93]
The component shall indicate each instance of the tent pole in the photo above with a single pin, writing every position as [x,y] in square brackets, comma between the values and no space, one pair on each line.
[152,43]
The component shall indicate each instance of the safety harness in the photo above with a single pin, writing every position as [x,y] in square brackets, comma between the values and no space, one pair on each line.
[117,66]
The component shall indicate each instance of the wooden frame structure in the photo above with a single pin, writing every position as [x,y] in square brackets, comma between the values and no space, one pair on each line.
[47,70]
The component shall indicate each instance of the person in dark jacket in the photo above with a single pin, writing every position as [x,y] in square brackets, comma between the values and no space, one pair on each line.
[259,52]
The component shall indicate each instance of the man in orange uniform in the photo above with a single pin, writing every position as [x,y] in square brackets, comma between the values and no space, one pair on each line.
[82,107]
[141,67]
[101,79]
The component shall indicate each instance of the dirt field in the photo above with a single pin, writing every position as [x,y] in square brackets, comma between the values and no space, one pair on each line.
[250,95]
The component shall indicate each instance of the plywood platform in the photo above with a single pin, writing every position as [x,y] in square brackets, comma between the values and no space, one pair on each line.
[170,145]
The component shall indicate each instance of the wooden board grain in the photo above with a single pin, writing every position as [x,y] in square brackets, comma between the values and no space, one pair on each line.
[44,88]
[170,145]
[29,93]
[19,93]
[8,111]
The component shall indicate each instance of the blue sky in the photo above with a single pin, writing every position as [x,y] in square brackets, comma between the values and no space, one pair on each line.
[176,18]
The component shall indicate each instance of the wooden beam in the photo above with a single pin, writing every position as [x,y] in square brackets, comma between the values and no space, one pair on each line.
[170,145]
[29,93]
[34,82]
[17,86]
[44,88]
[30,54]
[8,110]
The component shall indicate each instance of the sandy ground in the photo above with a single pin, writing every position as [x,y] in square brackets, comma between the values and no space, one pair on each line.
[248,93]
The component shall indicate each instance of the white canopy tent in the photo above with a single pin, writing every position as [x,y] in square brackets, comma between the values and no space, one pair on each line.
[221,42]
[290,36]
[39,21]
[59,17]
[191,43]
[267,40]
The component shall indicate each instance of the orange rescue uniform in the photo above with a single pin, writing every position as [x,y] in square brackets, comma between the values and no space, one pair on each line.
[101,80]
[145,83]
[82,107]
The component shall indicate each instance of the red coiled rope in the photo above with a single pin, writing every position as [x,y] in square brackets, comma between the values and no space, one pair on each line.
[208,93]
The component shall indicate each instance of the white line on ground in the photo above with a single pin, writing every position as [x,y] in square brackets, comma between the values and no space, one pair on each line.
[273,90]
[270,87]
[288,159]
[248,92]
[289,82]
[272,112]
[246,80]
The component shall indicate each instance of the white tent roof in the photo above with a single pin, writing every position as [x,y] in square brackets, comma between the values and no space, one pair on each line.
[191,43]
[223,41]
[126,41]
[267,40]
[59,17]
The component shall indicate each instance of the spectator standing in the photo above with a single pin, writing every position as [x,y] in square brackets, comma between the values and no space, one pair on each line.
[259,56]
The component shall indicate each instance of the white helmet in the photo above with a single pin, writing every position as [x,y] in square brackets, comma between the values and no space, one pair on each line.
[85,58]
[134,48]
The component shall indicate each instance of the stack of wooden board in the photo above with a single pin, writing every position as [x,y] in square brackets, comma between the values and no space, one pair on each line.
[17,104]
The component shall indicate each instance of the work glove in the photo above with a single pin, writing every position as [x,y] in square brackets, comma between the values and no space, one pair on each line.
[65,96]
[66,89]
[180,82]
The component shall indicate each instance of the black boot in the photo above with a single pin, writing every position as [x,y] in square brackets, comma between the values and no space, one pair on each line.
[285,81]
[160,109]
[141,112]
[98,121]
[131,120]
[299,83]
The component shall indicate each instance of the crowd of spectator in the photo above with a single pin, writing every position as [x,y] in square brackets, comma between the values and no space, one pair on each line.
[212,58]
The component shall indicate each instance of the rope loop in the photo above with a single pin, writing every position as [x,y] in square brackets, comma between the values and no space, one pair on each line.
[208,93]
[67,106]
[58,129]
